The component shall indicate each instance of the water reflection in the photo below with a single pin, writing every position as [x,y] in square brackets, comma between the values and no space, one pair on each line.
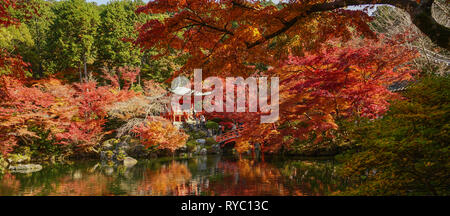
[212,175]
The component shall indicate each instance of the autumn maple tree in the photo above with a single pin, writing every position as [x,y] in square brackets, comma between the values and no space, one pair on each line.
[245,32]
[72,115]
[10,63]
[11,68]
[91,102]
[330,63]
[6,18]
[160,133]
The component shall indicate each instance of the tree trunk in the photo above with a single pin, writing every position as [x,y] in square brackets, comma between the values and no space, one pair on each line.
[81,75]
[41,71]
[85,67]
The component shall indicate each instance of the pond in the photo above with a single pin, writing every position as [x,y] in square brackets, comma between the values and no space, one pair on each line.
[203,175]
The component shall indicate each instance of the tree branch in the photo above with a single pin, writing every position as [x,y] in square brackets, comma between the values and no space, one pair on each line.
[420,15]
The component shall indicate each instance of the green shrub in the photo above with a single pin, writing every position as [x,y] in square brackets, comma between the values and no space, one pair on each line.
[190,145]
[406,152]
[210,141]
[137,88]
[198,135]
[3,165]
[212,125]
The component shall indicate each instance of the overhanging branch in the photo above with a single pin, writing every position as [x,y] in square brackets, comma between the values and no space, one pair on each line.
[420,15]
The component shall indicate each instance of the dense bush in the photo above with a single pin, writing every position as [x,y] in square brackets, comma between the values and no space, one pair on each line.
[53,119]
[212,125]
[406,152]
[191,145]
[210,141]
[197,135]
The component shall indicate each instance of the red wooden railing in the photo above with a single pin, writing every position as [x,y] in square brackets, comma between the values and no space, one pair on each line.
[229,136]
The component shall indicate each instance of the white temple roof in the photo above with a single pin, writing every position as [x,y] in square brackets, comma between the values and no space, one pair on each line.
[184,91]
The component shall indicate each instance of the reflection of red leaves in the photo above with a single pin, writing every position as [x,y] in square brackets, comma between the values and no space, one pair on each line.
[170,179]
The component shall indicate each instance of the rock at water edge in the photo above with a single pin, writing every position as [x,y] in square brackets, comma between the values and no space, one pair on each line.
[129,162]
[26,168]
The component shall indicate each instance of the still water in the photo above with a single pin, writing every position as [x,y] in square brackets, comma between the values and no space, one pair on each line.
[206,175]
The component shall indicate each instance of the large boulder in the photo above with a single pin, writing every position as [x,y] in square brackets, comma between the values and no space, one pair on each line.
[129,162]
[203,151]
[25,168]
